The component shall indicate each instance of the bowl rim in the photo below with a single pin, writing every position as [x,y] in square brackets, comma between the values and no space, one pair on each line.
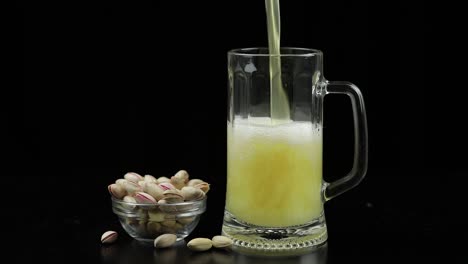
[119,201]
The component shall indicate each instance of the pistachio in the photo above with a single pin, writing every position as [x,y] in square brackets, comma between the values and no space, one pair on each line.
[121,182]
[165,208]
[173,196]
[145,198]
[205,187]
[186,220]
[116,190]
[142,214]
[153,227]
[165,240]
[182,174]
[142,184]
[200,244]
[132,187]
[221,242]
[109,237]
[177,182]
[133,177]
[194,182]
[191,193]
[163,179]
[167,229]
[167,186]
[131,221]
[178,226]
[130,201]
[156,215]
[141,228]
[150,178]
[154,190]
[168,223]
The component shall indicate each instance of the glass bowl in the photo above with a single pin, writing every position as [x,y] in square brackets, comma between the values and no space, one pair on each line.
[145,222]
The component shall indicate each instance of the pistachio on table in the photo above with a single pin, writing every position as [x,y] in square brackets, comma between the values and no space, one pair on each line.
[200,244]
[109,237]
[165,240]
[221,242]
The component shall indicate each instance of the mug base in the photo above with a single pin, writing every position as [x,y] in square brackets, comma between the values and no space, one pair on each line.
[274,241]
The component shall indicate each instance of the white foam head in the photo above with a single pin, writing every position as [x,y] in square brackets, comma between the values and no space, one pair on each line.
[294,132]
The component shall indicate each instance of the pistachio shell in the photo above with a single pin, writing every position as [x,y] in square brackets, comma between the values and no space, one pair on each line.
[141,228]
[167,186]
[156,215]
[169,223]
[194,182]
[178,226]
[163,179]
[130,201]
[154,190]
[186,220]
[200,244]
[142,184]
[150,178]
[221,242]
[142,214]
[109,237]
[145,198]
[166,209]
[116,190]
[191,193]
[132,187]
[120,182]
[177,182]
[167,229]
[173,196]
[205,187]
[153,227]
[182,174]
[165,240]
[133,177]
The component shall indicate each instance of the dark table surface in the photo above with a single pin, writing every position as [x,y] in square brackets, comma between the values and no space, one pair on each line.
[360,231]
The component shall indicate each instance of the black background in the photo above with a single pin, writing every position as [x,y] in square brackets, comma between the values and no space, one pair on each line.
[100,92]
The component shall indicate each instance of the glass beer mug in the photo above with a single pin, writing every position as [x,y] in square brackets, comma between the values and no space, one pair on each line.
[275,188]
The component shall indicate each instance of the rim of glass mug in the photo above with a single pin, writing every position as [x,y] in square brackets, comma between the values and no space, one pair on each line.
[284,52]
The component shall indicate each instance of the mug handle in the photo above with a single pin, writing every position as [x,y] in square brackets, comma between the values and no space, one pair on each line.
[357,173]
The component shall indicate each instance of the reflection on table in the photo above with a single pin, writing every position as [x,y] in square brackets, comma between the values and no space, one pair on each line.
[136,252]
